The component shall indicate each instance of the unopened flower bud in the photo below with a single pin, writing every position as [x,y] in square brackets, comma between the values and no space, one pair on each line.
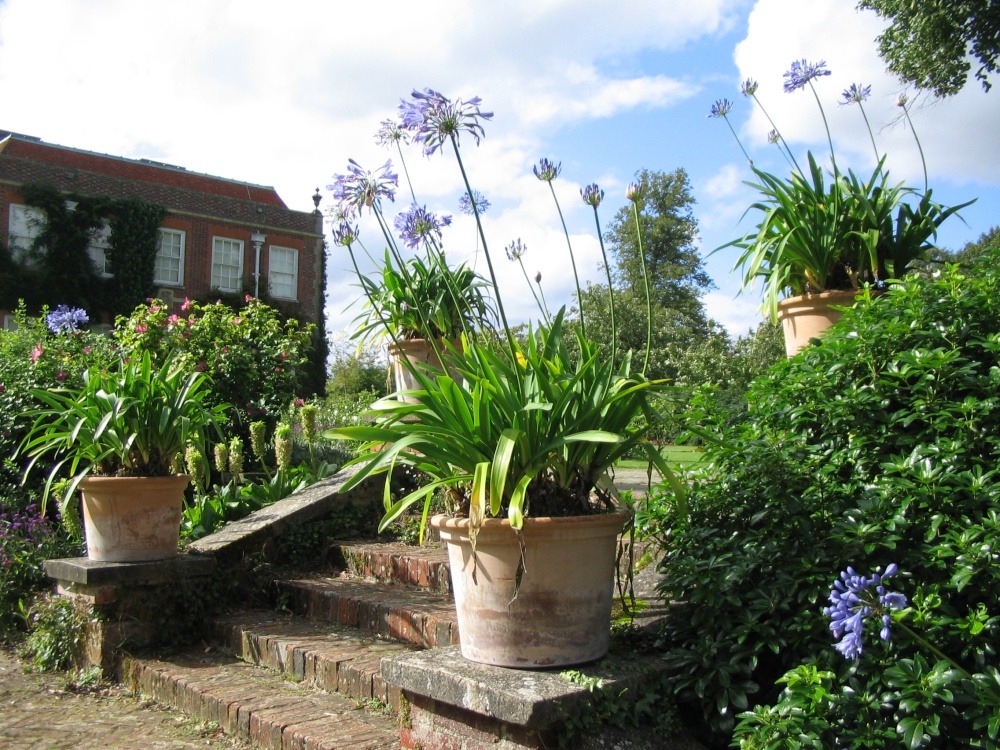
[538,277]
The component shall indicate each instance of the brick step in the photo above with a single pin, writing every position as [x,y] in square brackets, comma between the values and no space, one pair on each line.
[314,652]
[409,615]
[260,707]
[423,567]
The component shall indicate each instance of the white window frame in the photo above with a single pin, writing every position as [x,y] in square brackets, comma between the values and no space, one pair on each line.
[294,273]
[24,225]
[234,282]
[100,243]
[162,281]
[9,323]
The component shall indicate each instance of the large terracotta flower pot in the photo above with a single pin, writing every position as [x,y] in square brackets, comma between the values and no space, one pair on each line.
[416,352]
[806,316]
[132,519]
[562,613]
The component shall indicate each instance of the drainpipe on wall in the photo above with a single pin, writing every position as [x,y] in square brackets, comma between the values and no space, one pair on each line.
[257,239]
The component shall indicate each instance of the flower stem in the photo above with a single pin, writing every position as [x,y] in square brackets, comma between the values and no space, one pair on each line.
[534,294]
[781,138]
[572,259]
[611,289]
[870,134]
[645,283]
[920,148]
[826,125]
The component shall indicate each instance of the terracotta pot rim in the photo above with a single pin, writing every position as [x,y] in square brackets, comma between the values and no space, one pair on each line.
[93,480]
[453,523]
[396,345]
[828,294]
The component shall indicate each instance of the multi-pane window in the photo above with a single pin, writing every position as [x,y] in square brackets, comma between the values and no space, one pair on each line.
[26,223]
[283,272]
[227,264]
[100,242]
[168,267]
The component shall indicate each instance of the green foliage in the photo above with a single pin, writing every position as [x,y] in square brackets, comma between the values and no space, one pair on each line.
[877,445]
[816,235]
[930,44]
[132,252]
[255,360]
[422,299]
[354,370]
[132,420]
[545,429]
[56,628]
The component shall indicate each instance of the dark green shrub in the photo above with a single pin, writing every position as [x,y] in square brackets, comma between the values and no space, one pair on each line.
[878,445]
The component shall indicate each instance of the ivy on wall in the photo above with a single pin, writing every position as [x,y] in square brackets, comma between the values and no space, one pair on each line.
[59,269]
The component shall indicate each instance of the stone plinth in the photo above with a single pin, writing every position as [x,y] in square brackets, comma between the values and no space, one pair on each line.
[456,704]
[130,604]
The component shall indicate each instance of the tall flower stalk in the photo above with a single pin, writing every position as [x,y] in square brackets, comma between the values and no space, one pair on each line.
[592,196]
[634,194]
[547,171]
[857,93]
[901,102]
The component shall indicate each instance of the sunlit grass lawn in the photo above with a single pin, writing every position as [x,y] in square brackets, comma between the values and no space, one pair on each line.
[677,457]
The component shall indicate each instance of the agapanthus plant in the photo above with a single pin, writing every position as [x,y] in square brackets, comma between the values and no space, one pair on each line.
[825,229]
[513,427]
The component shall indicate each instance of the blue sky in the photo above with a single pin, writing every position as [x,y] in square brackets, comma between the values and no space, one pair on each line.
[283,94]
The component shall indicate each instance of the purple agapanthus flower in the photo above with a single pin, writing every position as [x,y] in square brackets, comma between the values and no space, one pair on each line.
[634,191]
[345,234]
[516,250]
[359,188]
[434,118]
[853,600]
[721,108]
[389,133]
[65,318]
[476,204]
[592,195]
[547,170]
[749,87]
[856,93]
[803,71]
[418,225]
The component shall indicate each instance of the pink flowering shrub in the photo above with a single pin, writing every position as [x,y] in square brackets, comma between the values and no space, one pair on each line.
[255,359]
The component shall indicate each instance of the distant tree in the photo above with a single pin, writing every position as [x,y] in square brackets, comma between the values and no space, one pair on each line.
[929,43]
[676,273]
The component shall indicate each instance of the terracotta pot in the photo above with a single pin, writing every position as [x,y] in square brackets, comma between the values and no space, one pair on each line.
[417,352]
[806,316]
[562,613]
[132,519]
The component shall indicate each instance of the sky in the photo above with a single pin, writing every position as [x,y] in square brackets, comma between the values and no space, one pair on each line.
[283,94]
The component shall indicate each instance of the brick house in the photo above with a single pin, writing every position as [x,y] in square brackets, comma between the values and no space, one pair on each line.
[219,235]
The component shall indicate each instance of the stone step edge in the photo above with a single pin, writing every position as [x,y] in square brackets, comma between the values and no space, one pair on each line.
[262,709]
[375,608]
[390,563]
[342,661]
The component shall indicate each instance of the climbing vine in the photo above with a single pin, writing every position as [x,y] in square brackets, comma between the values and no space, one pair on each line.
[58,267]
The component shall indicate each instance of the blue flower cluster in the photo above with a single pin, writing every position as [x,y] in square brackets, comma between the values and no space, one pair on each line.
[419,225]
[852,600]
[803,71]
[65,318]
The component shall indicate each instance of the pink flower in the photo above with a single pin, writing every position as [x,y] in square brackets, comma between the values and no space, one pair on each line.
[299,403]
[141,328]
[225,350]
[87,349]
[37,353]
[237,321]
[2,388]
[174,320]
[154,308]
[202,365]
[186,306]
[248,298]
[284,356]
[60,376]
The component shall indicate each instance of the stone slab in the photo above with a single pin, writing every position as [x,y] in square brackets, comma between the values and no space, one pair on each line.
[534,699]
[86,572]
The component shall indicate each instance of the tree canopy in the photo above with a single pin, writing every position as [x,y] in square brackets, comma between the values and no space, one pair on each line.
[929,43]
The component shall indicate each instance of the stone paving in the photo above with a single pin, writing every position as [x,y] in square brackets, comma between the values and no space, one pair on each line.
[38,712]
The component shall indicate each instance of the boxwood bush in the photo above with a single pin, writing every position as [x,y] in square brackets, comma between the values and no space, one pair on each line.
[877,445]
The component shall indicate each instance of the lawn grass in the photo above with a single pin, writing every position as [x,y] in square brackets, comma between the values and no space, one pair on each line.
[677,457]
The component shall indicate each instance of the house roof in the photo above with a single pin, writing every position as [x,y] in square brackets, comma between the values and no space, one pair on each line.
[25,159]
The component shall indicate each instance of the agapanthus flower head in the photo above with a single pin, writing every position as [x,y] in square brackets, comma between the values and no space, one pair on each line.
[345,234]
[516,250]
[65,318]
[417,225]
[803,71]
[856,93]
[592,195]
[852,600]
[389,133]
[901,100]
[749,87]
[721,108]
[772,136]
[634,191]
[547,170]
[476,204]
[359,187]
[434,118]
